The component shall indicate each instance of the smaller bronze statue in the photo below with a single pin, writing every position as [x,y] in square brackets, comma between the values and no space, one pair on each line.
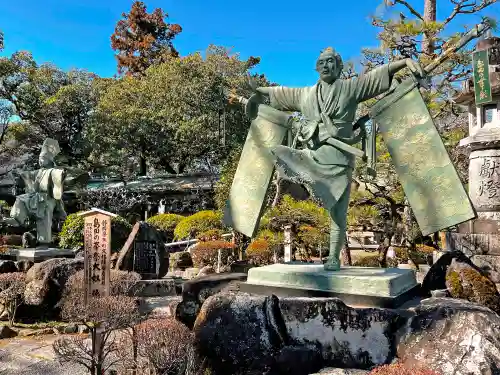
[42,200]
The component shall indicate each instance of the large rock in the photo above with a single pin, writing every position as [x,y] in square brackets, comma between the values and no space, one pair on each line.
[197,290]
[452,337]
[6,332]
[435,279]
[341,371]
[348,337]
[240,333]
[24,265]
[7,266]
[149,260]
[45,281]
[468,282]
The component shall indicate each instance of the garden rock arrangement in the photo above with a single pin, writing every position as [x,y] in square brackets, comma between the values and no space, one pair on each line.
[196,291]
[267,335]
[451,336]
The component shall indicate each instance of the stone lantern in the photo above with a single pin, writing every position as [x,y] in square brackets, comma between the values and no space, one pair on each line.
[480,238]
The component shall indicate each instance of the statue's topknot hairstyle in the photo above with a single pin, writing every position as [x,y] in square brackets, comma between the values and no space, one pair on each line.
[338,59]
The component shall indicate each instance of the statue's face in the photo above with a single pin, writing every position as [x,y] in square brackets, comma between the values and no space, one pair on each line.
[45,161]
[327,67]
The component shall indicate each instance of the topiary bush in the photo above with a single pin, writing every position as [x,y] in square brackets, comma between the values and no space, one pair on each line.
[262,249]
[210,235]
[367,261]
[180,260]
[205,253]
[260,252]
[71,236]
[165,223]
[191,226]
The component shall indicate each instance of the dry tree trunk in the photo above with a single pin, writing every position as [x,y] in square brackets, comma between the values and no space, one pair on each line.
[430,14]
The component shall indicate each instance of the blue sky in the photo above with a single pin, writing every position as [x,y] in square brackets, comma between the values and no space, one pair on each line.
[287,35]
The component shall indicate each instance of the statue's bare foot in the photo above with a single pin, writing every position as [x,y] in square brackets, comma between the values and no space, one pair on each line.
[332,264]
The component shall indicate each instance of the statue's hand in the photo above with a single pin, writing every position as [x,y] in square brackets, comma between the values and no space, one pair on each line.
[415,68]
[263,90]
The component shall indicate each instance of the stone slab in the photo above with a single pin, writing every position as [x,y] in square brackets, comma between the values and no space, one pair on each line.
[39,255]
[381,287]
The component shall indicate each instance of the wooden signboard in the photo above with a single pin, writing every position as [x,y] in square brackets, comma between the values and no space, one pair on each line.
[482,84]
[97,250]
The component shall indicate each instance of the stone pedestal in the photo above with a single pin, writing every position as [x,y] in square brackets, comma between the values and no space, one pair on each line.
[359,286]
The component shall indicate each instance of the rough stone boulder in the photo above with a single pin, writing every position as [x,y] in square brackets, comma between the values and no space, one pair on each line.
[143,232]
[45,281]
[24,265]
[241,333]
[348,337]
[435,279]
[451,337]
[197,290]
[467,282]
[341,371]
[7,266]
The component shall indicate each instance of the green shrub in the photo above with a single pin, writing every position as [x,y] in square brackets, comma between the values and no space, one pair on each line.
[4,206]
[180,260]
[71,236]
[296,213]
[165,223]
[206,253]
[367,261]
[191,226]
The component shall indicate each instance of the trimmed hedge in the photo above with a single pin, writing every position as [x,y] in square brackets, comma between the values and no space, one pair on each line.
[192,226]
[206,253]
[71,236]
[165,223]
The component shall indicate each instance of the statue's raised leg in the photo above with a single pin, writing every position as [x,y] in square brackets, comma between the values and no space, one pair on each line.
[44,225]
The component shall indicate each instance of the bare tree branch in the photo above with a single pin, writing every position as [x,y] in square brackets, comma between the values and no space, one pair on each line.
[467,7]
[410,8]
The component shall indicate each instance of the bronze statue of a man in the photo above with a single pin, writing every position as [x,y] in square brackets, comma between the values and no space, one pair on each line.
[43,195]
[329,108]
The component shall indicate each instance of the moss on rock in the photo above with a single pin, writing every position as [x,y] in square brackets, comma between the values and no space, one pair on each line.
[466,282]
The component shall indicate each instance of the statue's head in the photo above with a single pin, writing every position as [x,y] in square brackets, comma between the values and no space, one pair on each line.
[50,149]
[329,65]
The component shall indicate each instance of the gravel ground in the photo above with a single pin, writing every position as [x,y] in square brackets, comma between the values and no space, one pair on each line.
[33,356]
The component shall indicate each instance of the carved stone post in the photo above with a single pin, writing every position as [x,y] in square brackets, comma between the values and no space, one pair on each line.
[480,238]
[288,243]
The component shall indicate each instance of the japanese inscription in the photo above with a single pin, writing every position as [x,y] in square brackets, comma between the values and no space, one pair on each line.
[145,253]
[97,248]
[482,85]
[489,186]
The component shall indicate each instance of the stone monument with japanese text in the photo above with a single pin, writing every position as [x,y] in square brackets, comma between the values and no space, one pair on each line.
[480,238]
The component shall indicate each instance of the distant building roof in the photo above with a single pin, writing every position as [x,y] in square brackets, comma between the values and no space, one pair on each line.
[159,183]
